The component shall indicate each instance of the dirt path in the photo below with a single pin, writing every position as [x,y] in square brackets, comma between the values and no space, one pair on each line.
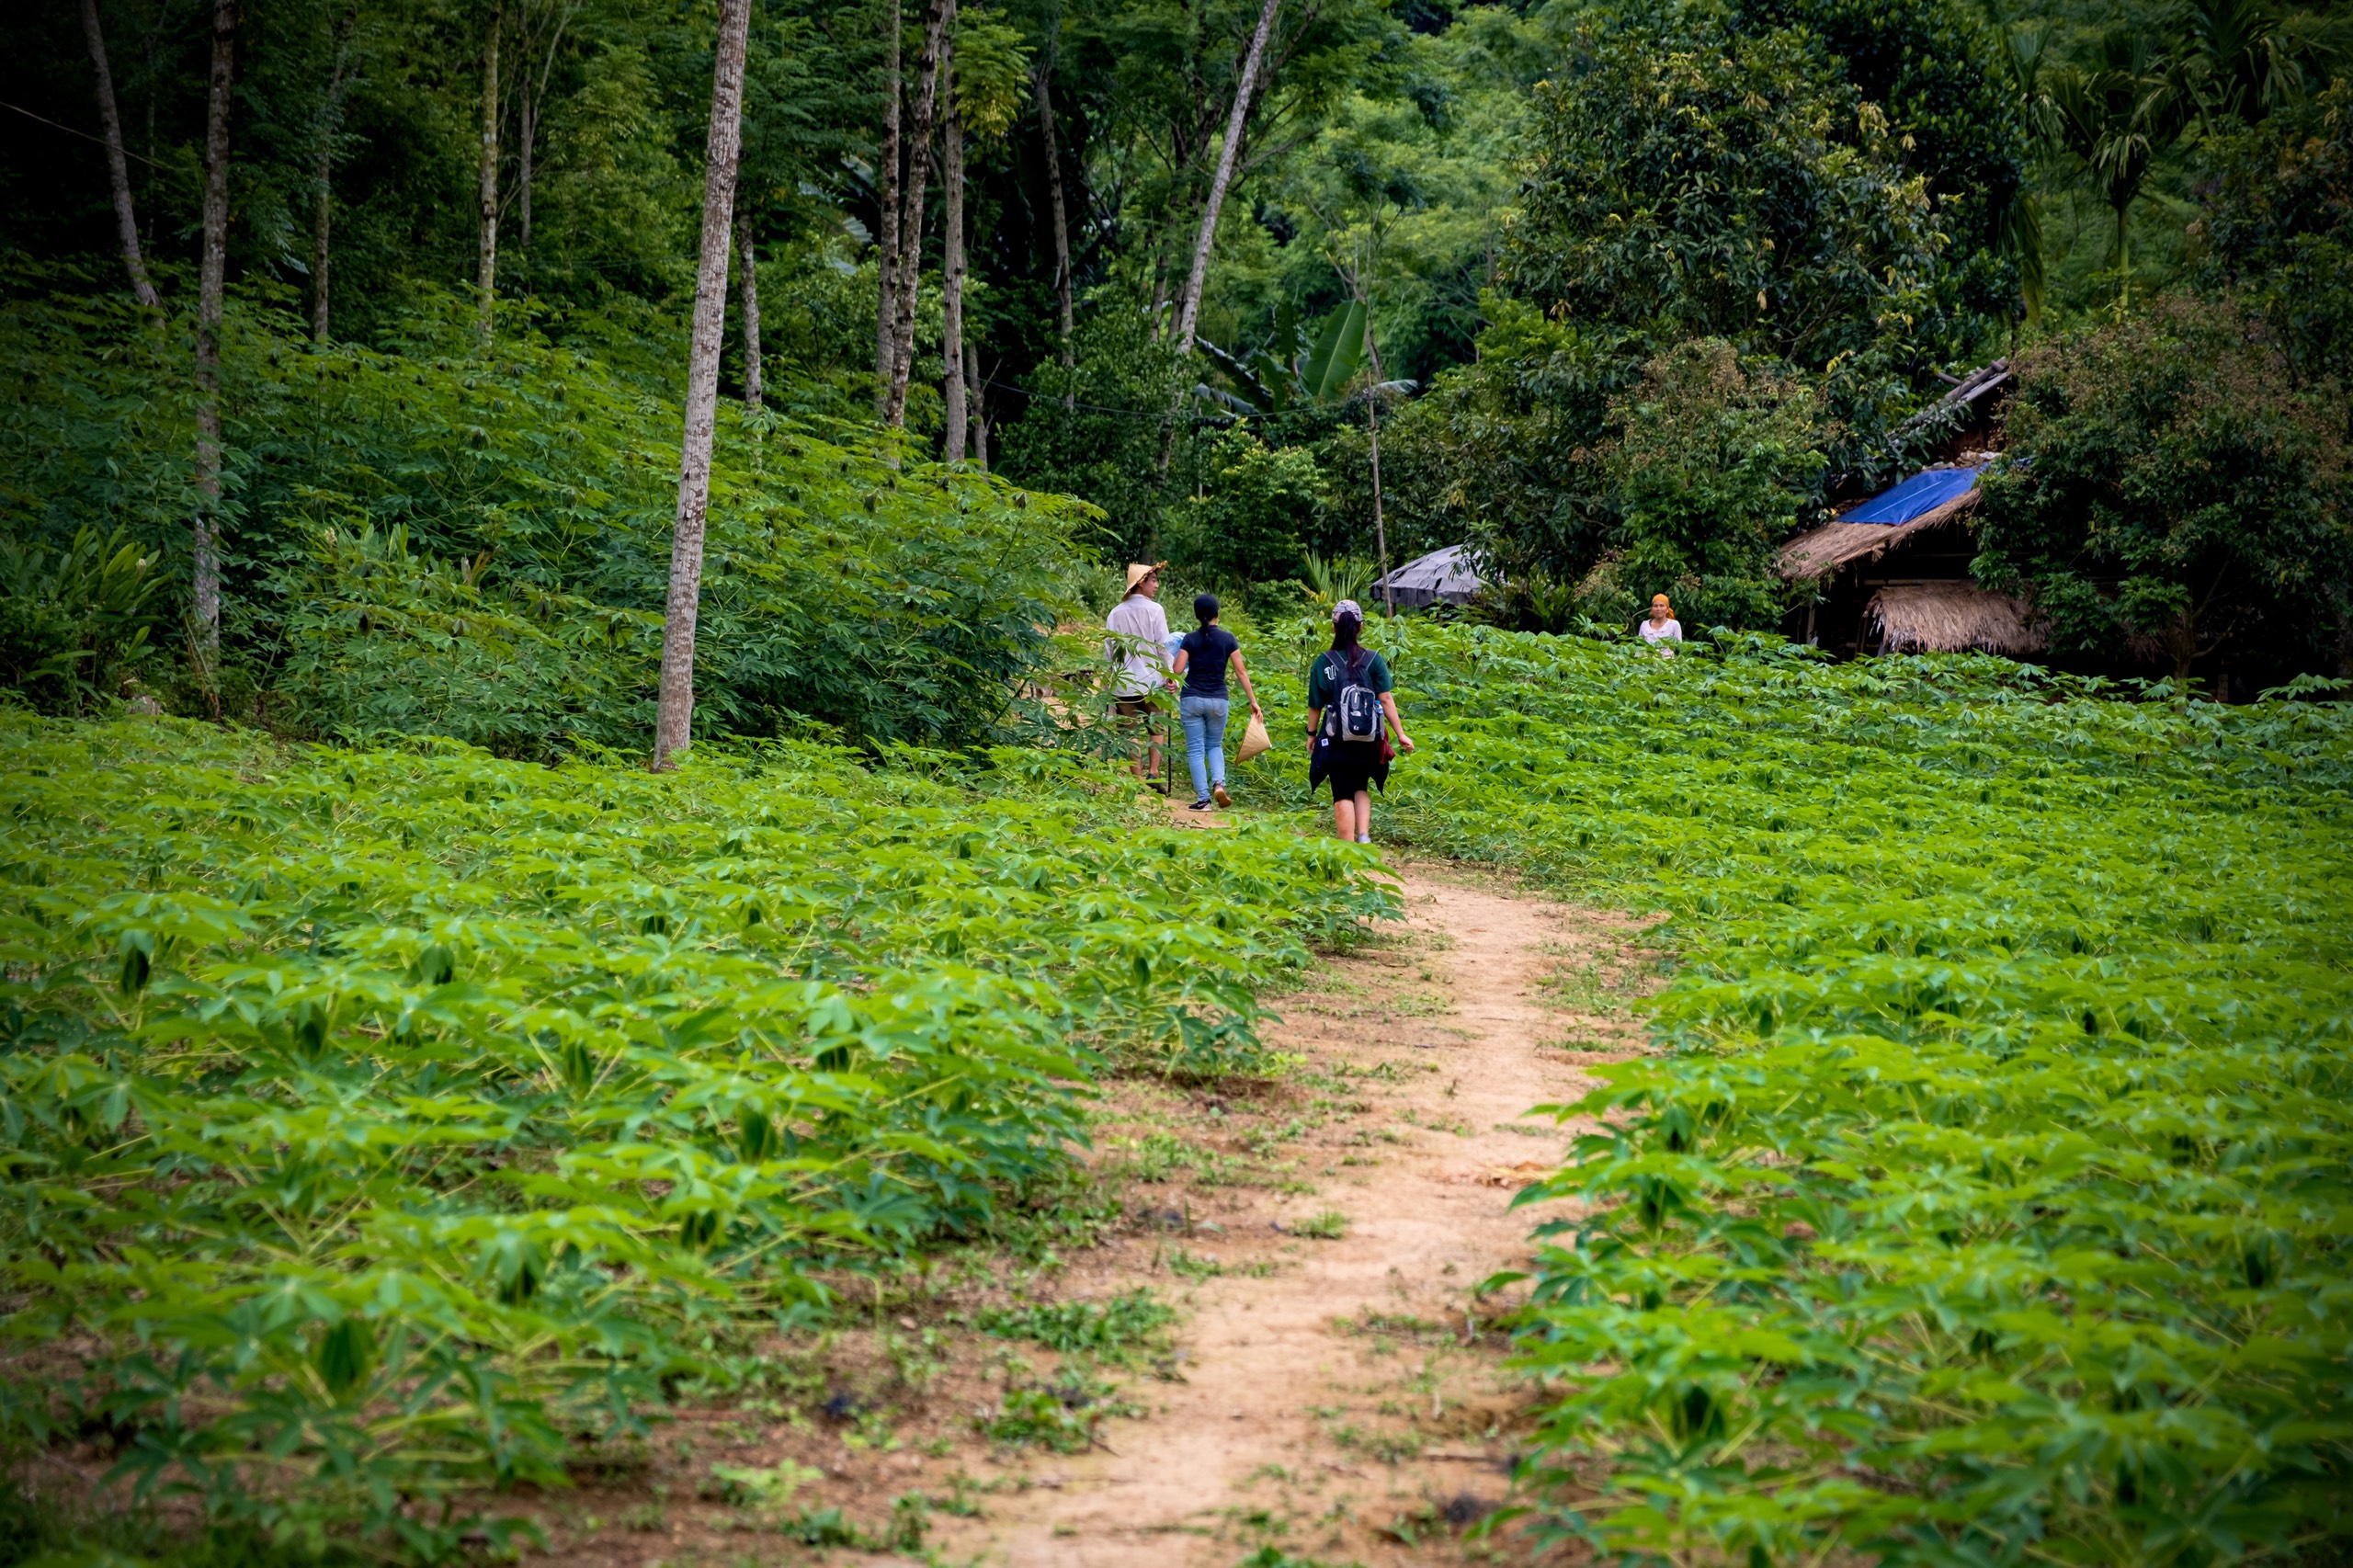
[1343,1400]
[1336,1391]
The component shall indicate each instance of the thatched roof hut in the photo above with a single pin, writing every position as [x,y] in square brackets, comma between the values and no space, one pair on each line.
[1892,575]
[1952,618]
[1820,551]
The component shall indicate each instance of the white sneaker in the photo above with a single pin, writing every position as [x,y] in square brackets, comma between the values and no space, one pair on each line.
[1364,838]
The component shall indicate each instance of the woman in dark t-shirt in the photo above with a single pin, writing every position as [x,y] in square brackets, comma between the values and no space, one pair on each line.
[1352,767]
[1201,661]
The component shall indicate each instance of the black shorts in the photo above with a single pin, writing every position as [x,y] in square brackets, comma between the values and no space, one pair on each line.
[1130,707]
[1348,780]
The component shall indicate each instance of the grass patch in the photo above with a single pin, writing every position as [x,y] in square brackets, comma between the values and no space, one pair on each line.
[1062,1417]
[1326,1225]
[1117,1326]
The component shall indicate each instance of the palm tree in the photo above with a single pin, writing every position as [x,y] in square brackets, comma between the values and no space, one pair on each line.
[2018,229]
[2246,66]
[2117,118]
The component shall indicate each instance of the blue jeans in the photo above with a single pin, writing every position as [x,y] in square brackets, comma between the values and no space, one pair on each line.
[1204,720]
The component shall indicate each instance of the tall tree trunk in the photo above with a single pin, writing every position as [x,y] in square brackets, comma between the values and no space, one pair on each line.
[527,131]
[886,222]
[951,262]
[751,388]
[126,222]
[2123,260]
[980,405]
[674,721]
[147,52]
[323,189]
[1372,429]
[486,268]
[1244,88]
[1062,217]
[911,214]
[205,597]
[532,98]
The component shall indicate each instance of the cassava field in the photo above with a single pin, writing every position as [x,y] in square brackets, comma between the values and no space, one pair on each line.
[586,979]
[416,1155]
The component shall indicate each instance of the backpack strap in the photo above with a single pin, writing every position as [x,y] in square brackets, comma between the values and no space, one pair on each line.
[1337,676]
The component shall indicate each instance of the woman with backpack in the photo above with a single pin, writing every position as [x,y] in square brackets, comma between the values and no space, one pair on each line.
[1349,694]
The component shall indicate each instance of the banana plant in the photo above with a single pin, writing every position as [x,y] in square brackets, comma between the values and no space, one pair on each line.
[1293,371]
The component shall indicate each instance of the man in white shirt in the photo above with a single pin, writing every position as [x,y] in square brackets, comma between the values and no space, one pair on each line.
[1139,647]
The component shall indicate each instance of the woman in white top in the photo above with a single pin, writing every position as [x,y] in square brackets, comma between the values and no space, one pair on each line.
[1662,627]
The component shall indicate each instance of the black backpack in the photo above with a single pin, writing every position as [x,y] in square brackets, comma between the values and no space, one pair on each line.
[1354,713]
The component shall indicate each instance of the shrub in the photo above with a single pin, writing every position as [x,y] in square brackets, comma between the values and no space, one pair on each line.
[1253,522]
[1714,463]
[74,622]
[1116,1326]
[2170,493]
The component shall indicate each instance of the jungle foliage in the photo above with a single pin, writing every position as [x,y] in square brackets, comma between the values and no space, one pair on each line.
[1987,1199]
[1520,211]
[384,1124]
[2168,486]
[429,541]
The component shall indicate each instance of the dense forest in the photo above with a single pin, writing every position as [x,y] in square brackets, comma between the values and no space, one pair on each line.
[433,1135]
[1621,295]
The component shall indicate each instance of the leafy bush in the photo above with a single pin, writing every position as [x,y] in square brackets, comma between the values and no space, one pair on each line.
[1988,1200]
[1098,1327]
[1254,519]
[377,1121]
[1503,451]
[2170,493]
[1088,429]
[74,622]
[1062,1418]
[1714,463]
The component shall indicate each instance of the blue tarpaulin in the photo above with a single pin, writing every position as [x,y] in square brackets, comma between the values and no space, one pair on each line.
[1920,493]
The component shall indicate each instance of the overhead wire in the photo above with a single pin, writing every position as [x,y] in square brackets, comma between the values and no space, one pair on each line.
[84,135]
[1154,416]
